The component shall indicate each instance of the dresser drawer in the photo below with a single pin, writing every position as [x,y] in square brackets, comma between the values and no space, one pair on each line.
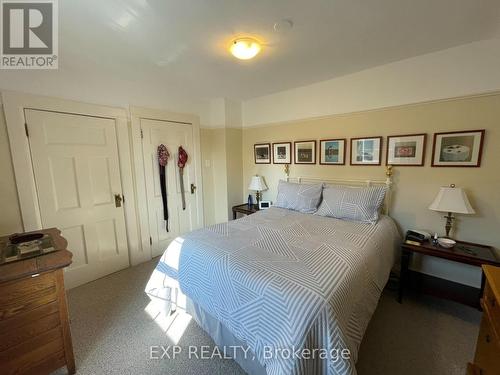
[40,352]
[27,294]
[32,334]
[492,311]
[488,348]
[15,335]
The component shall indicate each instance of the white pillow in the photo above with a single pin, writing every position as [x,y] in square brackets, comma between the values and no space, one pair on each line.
[352,203]
[299,197]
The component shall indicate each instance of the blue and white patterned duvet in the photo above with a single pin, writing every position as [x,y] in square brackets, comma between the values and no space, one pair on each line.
[279,279]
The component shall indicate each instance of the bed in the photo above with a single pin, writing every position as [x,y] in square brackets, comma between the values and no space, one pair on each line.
[296,290]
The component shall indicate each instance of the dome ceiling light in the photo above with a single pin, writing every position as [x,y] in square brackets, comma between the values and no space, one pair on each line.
[245,48]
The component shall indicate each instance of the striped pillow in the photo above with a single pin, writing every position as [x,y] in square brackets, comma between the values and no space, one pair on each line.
[299,197]
[352,203]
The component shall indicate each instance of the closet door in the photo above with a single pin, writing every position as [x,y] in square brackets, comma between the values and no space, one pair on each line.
[172,135]
[77,175]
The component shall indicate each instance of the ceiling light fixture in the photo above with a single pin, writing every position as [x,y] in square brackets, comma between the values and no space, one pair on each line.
[245,48]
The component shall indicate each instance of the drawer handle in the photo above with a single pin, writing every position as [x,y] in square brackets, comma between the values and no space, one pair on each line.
[488,339]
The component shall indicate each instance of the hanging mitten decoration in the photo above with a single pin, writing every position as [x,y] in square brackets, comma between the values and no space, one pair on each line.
[163,156]
[181,162]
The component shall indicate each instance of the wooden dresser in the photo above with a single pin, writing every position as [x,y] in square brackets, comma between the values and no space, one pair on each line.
[487,358]
[35,336]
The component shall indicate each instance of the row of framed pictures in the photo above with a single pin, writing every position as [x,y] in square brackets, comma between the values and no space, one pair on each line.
[452,149]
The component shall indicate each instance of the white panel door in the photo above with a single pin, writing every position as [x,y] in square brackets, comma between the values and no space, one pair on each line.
[77,174]
[172,135]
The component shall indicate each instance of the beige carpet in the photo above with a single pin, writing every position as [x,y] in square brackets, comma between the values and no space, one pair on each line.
[113,332]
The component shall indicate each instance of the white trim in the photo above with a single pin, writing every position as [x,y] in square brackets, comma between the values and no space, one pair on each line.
[216,126]
[136,114]
[14,106]
[219,127]
[158,114]
[352,182]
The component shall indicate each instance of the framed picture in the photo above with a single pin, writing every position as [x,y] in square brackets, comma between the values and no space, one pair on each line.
[406,149]
[305,152]
[282,153]
[458,149]
[332,151]
[262,152]
[366,151]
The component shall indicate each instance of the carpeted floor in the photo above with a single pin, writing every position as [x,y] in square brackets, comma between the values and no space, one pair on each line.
[113,331]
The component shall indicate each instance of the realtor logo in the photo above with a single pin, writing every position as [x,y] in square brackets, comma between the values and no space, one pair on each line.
[29,37]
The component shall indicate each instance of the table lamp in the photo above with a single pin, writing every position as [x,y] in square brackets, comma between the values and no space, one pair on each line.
[257,184]
[451,200]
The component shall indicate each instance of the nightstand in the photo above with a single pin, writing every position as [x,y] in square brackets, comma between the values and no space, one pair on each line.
[463,252]
[243,209]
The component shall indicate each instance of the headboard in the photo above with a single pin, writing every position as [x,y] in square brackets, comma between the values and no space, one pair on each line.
[355,182]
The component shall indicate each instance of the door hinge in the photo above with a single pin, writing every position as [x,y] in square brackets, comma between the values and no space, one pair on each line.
[150,241]
[123,198]
[142,134]
[26,129]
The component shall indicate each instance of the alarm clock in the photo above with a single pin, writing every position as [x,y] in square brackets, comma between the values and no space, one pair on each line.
[264,205]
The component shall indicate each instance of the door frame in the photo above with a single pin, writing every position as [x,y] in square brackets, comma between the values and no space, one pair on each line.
[136,114]
[14,104]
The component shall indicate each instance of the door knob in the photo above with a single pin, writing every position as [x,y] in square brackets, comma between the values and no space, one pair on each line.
[118,200]
[193,188]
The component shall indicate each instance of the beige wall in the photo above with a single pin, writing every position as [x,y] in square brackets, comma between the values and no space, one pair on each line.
[234,163]
[222,172]
[415,187]
[226,170]
[10,217]
[213,155]
[454,72]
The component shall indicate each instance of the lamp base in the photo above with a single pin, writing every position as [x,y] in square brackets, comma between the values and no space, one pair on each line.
[257,197]
[449,222]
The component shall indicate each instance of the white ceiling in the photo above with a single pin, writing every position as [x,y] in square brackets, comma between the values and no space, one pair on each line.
[181,45]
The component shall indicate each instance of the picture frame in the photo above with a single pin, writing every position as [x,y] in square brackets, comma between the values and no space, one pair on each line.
[282,153]
[305,152]
[262,153]
[332,151]
[458,148]
[366,151]
[406,150]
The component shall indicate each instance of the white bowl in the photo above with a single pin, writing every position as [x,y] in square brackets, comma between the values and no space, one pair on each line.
[446,242]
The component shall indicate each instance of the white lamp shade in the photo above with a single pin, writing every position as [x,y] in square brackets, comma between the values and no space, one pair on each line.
[452,199]
[257,183]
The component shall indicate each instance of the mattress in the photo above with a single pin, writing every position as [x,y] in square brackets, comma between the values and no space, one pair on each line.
[284,282]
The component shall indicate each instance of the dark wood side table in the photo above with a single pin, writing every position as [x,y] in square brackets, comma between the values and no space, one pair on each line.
[463,252]
[243,209]
[35,336]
